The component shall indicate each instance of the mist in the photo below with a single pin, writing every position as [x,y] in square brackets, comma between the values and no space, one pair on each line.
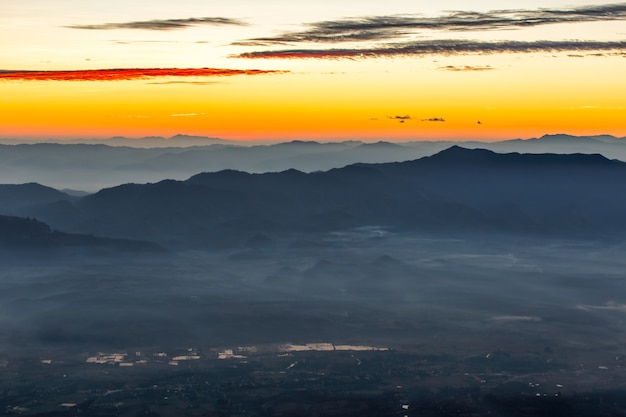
[90,165]
[390,290]
[294,310]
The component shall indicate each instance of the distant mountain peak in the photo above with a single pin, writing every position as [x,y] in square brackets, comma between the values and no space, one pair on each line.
[565,139]
[181,136]
[179,140]
[558,136]
[301,143]
[457,149]
[223,175]
[458,153]
[380,144]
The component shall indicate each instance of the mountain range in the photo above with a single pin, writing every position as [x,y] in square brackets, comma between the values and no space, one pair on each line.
[19,235]
[455,192]
[91,166]
[179,140]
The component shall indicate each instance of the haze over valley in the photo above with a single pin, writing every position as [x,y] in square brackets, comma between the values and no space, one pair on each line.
[463,282]
[314,209]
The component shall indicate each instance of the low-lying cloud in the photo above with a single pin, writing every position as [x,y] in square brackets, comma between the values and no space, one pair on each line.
[163,24]
[125,74]
[611,305]
[508,319]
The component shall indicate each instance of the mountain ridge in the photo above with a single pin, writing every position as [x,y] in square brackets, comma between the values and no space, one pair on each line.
[90,167]
[454,191]
[28,235]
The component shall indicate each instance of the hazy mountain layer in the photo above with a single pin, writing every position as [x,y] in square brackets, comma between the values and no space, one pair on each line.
[464,283]
[454,192]
[100,164]
[22,237]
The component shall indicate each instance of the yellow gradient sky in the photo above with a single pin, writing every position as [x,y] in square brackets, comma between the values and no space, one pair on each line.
[395,70]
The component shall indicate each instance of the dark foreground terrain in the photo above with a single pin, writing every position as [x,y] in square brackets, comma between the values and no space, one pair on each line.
[360,322]
[328,383]
[467,283]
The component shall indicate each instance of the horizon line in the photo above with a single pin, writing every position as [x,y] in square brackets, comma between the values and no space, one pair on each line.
[235,141]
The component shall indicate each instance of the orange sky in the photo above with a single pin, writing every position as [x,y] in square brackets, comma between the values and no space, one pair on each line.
[493,83]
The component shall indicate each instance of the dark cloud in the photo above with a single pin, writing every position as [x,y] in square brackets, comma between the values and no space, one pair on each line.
[400,119]
[125,74]
[464,68]
[374,28]
[444,47]
[434,119]
[333,35]
[163,24]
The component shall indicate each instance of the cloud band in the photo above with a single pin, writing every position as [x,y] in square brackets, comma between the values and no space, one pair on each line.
[125,74]
[163,24]
[443,47]
[376,28]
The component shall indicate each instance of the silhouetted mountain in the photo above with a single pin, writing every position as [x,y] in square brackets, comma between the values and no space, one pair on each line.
[380,145]
[485,159]
[571,139]
[94,165]
[455,191]
[609,146]
[14,198]
[25,235]
[545,193]
[179,140]
[563,138]
[198,140]
[17,229]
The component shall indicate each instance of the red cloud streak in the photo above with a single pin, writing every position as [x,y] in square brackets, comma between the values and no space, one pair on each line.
[121,74]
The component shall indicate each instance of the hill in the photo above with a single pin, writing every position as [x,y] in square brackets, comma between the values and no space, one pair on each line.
[15,198]
[21,236]
[456,191]
[95,165]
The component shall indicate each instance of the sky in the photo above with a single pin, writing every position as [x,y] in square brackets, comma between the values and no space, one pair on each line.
[368,70]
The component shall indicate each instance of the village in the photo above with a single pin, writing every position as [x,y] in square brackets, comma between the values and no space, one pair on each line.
[287,379]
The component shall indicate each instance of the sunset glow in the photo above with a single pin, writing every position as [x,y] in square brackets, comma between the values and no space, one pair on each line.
[272,71]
